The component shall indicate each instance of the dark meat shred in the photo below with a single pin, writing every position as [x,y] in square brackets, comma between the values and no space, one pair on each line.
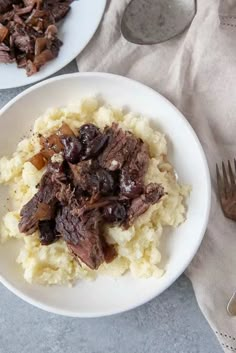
[5,5]
[100,181]
[5,57]
[152,194]
[47,232]
[43,205]
[92,178]
[28,28]
[115,213]
[81,235]
[120,145]
[21,40]
[129,185]
[58,8]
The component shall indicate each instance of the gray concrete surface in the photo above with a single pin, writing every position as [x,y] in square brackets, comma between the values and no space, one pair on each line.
[170,323]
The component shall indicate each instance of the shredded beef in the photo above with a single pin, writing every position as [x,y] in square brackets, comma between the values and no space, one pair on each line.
[82,235]
[43,205]
[152,194]
[47,232]
[5,5]
[92,178]
[100,181]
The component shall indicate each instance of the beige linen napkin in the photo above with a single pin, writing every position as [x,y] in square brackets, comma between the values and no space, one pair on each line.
[197,72]
[227,12]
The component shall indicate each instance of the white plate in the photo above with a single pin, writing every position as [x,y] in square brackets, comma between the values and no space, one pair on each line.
[107,295]
[75,31]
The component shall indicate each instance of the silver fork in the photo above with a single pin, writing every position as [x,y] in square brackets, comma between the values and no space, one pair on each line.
[227,189]
[227,192]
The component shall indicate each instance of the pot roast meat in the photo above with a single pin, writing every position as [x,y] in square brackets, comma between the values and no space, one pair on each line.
[152,194]
[30,68]
[5,5]
[58,8]
[120,145]
[21,40]
[132,174]
[128,154]
[99,181]
[5,57]
[115,212]
[29,223]
[82,235]
[90,177]
[43,204]
[47,232]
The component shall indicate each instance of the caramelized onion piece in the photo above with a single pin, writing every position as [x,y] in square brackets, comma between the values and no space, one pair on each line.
[51,31]
[65,130]
[38,160]
[3,32]
[51,145]
[40,45]
[110,253]
[47,153]
[41,59]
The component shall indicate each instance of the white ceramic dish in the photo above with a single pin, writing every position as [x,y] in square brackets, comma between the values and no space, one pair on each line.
[75,31]
[107,296]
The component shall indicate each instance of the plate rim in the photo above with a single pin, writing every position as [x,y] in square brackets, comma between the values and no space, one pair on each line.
[68,313]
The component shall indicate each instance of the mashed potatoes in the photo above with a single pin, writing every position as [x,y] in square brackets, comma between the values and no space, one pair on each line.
[138,246]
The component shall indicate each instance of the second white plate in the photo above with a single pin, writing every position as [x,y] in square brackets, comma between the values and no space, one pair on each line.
[75,31]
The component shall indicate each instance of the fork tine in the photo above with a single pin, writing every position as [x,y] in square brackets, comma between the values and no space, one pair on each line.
[220,183]
[231,175]
[225,179]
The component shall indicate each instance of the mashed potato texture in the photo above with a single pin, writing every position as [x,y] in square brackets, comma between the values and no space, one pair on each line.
[137,247]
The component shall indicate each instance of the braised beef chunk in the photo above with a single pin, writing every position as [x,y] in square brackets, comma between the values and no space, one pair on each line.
[152,194]
[82,235]
[120,145]
[99,181]
[129,186]
[131,181]
[5,56]
[92,178]
[115,212]
[43,205]
[5,5]
[58,8]
[28,28]
[29,222]
[47,232]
